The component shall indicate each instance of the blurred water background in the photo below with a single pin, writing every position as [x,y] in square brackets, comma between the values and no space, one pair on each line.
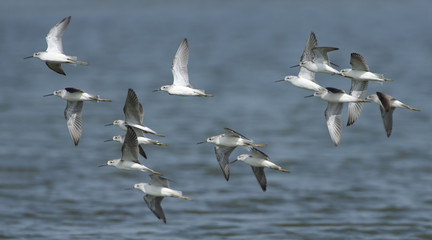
[369,187]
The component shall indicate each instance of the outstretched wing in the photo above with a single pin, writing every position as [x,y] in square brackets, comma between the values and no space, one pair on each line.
[133,109]
[222,156]
[154,204]
[54,36]
[179,66]
[72,115]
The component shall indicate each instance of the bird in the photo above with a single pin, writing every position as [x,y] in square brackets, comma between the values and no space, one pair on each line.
[360,76]
[129,158]
[320,62]
[72,112]
[387,105]
[134,113]
[305,78]
[155,191]
[141,140]
[335,98]
[225,145]
[258,161]
[181,85]
[54,56]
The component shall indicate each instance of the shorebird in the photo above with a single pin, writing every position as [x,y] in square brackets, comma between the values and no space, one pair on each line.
[335,98]
[258,161]
[225,144]
[129,158]
[155,191]
[141,140]
[387,105]
[134,113]
[305,78]
[54,56]
[72,112]
[181,85]
[360,76]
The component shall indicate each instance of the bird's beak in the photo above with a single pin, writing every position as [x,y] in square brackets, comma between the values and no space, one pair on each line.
[103,165]
[233,161]
[295,66]
[309,96]
[201,142]
[128,189]
[109,124]
[156,90]
[48,95]
[280,80]
[108,140]
[28,57]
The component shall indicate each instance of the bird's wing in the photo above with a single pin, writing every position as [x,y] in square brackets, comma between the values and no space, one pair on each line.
[154,204]
[133,109]
[334,125]
[358,62]
[358,90]
[306,74]
[72,114]
[159,181]
[54,36]
[260,176]
[130,146]
[56,67]
[179,66]
[232,133]
[308,55]
[222,156]
[259,154]
[320,54]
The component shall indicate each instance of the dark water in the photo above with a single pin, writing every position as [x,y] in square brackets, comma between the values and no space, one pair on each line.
[370,187]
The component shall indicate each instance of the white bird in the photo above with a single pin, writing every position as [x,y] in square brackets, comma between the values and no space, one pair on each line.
[305,78]
[225,144]
[387,105]
[181,85]
[72,113]
[155,191]
[129,158]
[360,76]
[258,161]
[320,62]
[134,113]
[141,140]
[54,56]
[335,98]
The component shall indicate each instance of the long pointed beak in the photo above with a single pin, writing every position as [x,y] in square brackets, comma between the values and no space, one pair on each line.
[108,140]
[233,161]
[104,165]
[156,90]
[295,66]
[48,95]
[201,142]
[280,80]
[109,124]
[28,57]
[309,96]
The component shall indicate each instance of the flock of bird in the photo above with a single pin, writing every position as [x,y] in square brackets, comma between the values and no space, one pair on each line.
[313,60]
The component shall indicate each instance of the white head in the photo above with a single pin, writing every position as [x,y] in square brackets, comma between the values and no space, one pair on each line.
[112,162]
[165,88]
[118,138]
[373,97]
[210,140]
[140,186]
[60,93]
[289,78]
[118,122]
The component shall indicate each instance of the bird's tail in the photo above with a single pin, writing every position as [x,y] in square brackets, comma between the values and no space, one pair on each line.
[283,170]
[411,108]
[183,197]
[96,98]
[258,145]
[74,60]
